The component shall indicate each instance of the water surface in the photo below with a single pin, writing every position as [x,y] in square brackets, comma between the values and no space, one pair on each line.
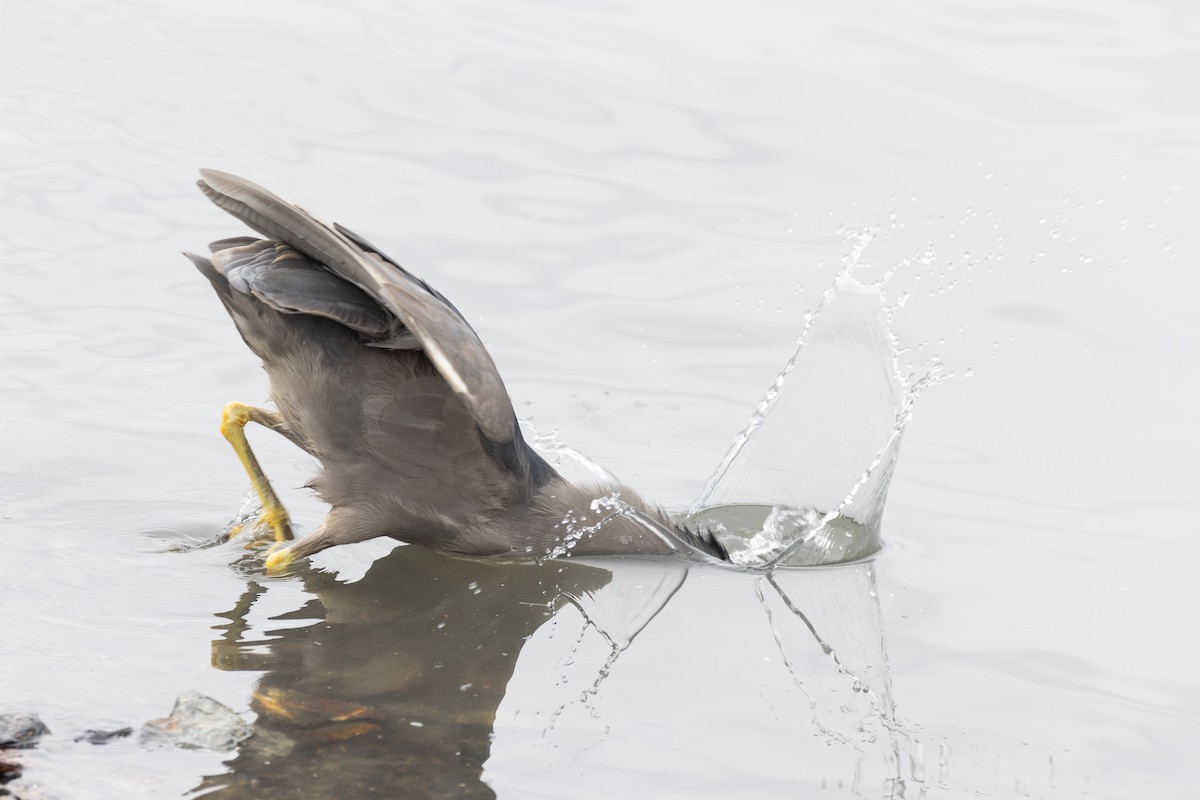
[635,207]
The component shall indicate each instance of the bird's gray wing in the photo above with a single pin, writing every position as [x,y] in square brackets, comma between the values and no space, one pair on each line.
[445,337]
[289,282]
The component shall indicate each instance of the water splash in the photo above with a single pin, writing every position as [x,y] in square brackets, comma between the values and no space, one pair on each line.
[806,481]
[573,465]
[578,526]
[842,668]
[635,594]
[805,484]
[618,610]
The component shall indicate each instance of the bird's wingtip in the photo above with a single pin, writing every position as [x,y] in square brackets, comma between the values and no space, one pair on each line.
[227,183]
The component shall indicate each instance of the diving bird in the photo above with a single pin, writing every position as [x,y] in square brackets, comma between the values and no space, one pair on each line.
[380,378]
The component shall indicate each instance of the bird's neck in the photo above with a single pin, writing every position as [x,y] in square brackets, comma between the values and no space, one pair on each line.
[603,519]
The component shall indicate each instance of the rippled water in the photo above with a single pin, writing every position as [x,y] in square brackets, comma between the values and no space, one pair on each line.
[636,207]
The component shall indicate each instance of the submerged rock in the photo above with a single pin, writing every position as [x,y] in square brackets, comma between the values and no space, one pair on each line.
[312,718]
[9,770]
[25,792]
[21,730]
[18,730]
[93,736]
[197,721]
[308,711]
[267,745]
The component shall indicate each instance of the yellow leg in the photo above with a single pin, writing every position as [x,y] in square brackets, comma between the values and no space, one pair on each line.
[233,428]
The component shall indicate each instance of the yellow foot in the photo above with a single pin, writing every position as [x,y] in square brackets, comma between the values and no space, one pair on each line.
[280,558]
[264,526]
[276,520]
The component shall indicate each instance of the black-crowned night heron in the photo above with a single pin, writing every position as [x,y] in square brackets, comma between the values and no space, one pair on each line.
[379,377]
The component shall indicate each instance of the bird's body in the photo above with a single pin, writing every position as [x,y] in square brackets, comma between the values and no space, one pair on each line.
[380,378]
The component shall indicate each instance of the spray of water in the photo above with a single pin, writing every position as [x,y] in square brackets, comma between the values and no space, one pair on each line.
[804,484]
[577,527]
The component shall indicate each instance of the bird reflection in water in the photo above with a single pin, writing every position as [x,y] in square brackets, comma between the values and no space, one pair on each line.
[394,686]
[392,689]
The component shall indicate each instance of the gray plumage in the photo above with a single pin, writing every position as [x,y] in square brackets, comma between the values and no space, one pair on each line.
[383,381]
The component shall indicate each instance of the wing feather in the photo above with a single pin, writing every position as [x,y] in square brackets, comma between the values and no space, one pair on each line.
[450,343]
